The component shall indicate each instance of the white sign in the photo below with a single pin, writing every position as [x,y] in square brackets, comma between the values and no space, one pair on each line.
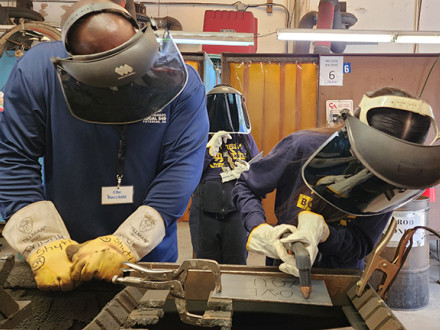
[334,107]
[407,220]
[331,70]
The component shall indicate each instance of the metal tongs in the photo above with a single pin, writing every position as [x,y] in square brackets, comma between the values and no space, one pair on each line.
[174,280]
[389,268]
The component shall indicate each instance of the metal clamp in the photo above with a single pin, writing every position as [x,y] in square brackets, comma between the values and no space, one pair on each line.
[390,268]
[174,280]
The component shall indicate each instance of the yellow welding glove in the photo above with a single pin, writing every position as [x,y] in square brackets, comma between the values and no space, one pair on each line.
[39,234]
[102,257]
[51,267]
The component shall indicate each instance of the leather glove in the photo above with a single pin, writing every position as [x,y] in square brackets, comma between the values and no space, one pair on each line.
[233,174]
[216,142]
[311,230]
[102,257]
[39,234]
[265,239]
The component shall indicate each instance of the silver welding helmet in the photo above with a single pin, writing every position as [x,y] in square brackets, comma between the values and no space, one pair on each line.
[363,171]
[227,110]
[125,84]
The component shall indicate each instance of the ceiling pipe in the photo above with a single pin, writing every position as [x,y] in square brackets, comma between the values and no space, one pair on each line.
[161,23]
[340,20]
[326,12]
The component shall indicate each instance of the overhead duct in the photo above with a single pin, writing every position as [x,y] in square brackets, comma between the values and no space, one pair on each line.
[161,23]
[329,12]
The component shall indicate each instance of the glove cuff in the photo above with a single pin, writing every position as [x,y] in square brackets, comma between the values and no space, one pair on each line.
[142,231]
[33,226]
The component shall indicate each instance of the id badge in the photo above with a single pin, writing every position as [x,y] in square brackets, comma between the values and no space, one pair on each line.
[117,195]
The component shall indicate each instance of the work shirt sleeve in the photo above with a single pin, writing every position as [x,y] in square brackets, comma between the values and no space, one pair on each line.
[263,177]
[183,152]
[351,241]
[22,132]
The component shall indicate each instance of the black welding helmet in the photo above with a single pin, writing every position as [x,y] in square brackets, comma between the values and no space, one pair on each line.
[125,84]
[363,171]
[227,110]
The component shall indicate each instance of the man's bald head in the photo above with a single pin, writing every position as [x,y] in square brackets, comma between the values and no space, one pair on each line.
[99,32]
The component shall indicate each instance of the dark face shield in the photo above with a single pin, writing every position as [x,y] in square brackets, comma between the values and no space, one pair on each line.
[227,112]
[362,171]
[125,84]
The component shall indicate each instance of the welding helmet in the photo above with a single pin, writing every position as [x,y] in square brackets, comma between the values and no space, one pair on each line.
[125,84]
[363,171]
[227,110]
[396,102]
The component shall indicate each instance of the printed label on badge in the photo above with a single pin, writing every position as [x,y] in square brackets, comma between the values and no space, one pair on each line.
[115,195]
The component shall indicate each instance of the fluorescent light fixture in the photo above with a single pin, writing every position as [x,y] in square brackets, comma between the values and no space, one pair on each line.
[361,36]
[334,35]
[211,38]
[420,37]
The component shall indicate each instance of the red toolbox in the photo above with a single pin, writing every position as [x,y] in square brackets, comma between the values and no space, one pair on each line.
[230,21]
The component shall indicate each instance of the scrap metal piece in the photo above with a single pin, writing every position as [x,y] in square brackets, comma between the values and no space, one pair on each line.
[173,281]
[373,310]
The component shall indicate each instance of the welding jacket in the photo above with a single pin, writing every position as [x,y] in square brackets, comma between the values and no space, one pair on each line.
[163,158]
[350,240]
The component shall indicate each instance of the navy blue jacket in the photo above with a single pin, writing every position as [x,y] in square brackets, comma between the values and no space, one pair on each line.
[349,241]
[164,154]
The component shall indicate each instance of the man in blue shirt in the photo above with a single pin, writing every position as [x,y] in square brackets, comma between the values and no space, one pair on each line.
[121,123]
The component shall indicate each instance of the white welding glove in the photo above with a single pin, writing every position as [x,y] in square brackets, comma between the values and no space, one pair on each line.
[312,230]
[39,234]
[233,174]
[216,142]
[265,239]
[102,257]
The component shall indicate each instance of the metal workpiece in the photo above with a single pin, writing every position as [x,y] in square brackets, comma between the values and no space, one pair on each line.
[250,298]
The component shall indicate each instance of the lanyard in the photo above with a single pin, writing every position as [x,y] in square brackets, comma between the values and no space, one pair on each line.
[121,151]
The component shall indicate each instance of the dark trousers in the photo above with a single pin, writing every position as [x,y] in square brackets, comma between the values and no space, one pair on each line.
[222,239]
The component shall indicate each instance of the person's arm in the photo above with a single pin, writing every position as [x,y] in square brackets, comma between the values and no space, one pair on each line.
[263,177]
[22,139]
[348,244]
[183,151]
[34,227]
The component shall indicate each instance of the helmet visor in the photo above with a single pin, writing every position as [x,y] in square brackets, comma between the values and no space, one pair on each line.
[363,171]
[125,84]
[227,112]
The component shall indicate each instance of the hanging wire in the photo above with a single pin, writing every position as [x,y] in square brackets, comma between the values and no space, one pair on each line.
[427,77]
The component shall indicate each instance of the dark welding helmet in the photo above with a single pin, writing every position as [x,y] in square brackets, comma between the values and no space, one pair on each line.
[125,84]
[227,110]
[363,171]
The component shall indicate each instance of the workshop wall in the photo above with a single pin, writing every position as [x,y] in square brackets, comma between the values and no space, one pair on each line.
[371,15]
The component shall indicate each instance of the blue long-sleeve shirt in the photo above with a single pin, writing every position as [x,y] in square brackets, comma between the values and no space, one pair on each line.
[349,241]
[163,159]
